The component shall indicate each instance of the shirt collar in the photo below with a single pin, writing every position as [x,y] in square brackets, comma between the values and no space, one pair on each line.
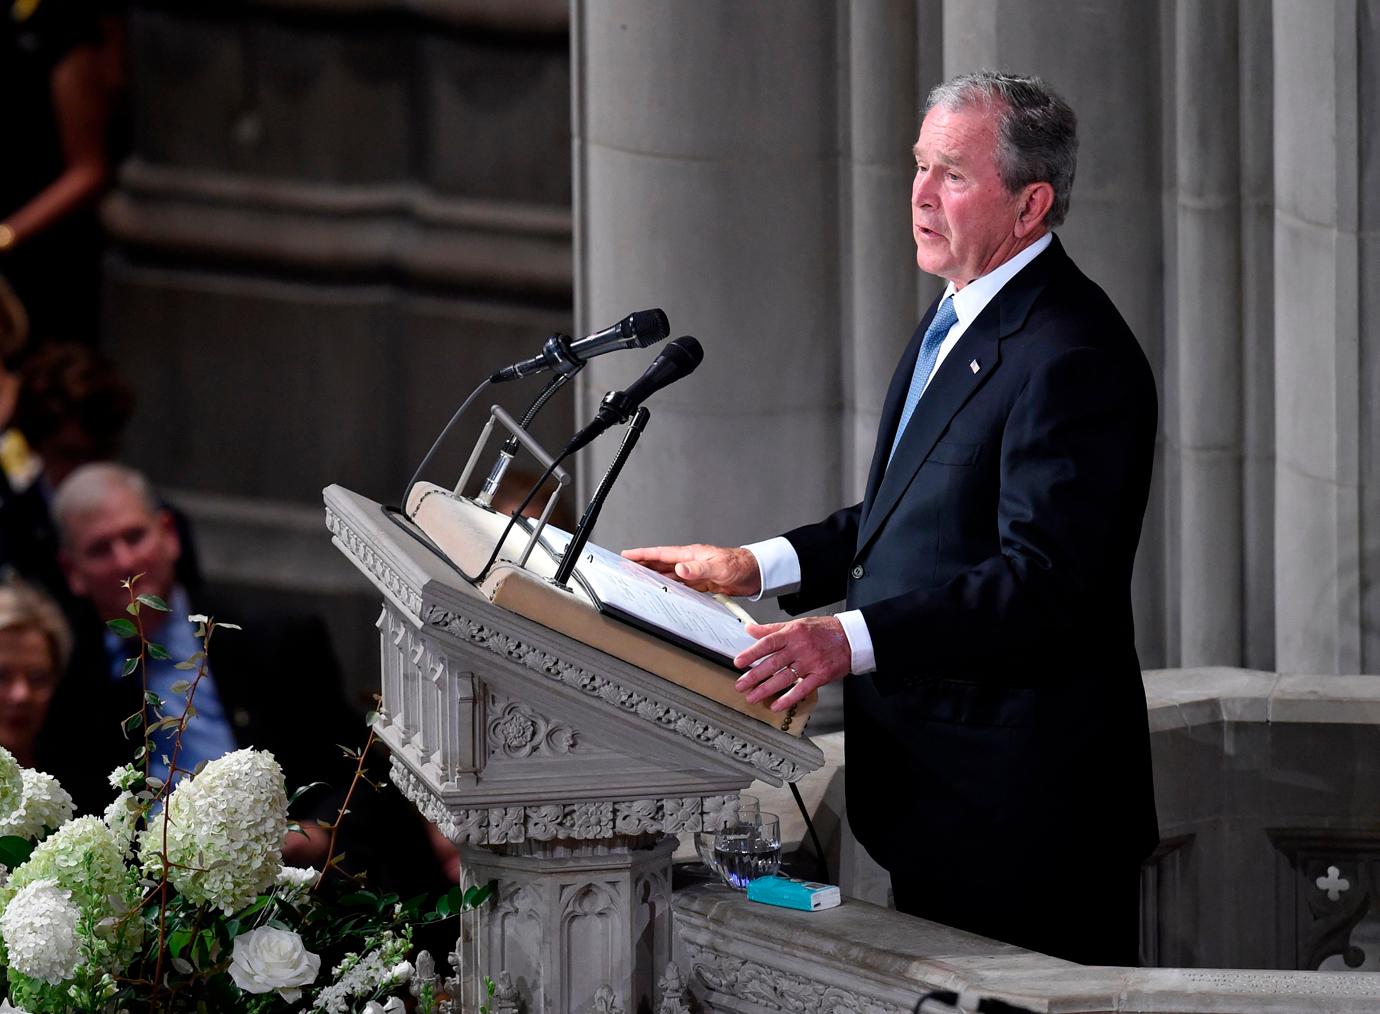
[973,298]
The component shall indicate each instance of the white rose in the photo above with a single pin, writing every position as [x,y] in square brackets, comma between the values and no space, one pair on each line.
[267,958]
[394,1005]
[401,972]
[294,878]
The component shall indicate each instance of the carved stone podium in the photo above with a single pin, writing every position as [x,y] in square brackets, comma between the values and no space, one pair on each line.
[561,771]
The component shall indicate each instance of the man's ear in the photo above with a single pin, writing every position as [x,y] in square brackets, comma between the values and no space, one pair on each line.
[1036,200]
[70,571]
[167,530]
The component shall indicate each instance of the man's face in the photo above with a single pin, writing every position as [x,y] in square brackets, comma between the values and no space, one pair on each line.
[120,539]
[962,216]
[28,675]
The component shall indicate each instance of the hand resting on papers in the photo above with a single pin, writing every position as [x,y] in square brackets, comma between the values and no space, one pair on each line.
[808,653]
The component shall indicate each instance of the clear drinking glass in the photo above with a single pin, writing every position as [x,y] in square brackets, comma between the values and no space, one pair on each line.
[748,849]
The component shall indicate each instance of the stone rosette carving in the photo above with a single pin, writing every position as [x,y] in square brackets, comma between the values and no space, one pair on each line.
[515,730]
[775,989]
[586,821]
[627,699]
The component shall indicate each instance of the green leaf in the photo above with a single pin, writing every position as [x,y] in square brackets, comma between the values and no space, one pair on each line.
[178,941]
[184,666]
[300,790]
[133,722]
[15,850]
[123,628]
[158,651]
[132,609]
[477,895]
[180,686]
[152,699]
[154,602]
[130,665]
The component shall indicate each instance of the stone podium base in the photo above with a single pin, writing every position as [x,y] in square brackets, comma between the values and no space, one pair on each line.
[569,918]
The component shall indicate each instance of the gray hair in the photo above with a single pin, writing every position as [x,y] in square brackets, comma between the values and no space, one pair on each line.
[1037,132]
[24,607]
[87,491]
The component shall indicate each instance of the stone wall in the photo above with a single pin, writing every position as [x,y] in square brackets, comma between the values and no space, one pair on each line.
[337,217]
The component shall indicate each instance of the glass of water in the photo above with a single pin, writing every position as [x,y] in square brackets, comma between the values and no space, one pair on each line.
[748,849]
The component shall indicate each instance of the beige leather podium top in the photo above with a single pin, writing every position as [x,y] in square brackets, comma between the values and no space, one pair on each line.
[467,533]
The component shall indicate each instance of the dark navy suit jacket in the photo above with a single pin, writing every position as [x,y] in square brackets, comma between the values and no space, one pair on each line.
[991,559]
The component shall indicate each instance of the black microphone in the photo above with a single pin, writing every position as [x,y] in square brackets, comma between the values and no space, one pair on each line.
[677,360]
[635,331]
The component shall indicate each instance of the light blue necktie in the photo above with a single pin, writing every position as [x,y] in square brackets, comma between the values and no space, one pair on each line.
[944,319]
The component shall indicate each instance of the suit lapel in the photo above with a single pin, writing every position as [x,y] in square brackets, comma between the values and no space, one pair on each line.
[953,384]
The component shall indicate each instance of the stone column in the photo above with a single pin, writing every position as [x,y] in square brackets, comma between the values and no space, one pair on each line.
[1114,229]
[1257,332]
[1208,334]
[879,254]
[1317,387]
[706,182]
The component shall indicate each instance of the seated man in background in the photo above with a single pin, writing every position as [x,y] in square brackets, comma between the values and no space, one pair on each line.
[273,685]
[35,643]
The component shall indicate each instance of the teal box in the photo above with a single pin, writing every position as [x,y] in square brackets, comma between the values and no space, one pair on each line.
[787,892]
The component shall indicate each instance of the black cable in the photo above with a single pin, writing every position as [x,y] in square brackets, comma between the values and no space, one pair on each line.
[823,868]
[989,1006]
[441,436]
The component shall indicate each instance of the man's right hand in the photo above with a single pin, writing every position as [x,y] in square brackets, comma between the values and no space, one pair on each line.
[718,570]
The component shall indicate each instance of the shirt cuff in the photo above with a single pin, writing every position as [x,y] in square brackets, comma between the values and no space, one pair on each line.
[859,641]
[777,565]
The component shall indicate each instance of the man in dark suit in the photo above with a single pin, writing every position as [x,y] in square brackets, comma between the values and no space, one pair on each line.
[273,685]
[997,748]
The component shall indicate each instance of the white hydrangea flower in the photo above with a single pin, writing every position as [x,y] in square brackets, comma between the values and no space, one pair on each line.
[39,927]
[267,958]
[11,783]
[85,859]
[44,803]
[224,833]
[122,816]
[125,777]
[7,1008]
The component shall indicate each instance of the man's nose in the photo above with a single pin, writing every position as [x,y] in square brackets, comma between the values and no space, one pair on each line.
[922,190]
[125,559]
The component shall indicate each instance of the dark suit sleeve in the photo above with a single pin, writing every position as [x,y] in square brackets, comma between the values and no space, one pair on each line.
[1075,463]
[825,551]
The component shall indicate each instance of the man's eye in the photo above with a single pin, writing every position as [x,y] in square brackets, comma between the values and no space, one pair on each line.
[953,176]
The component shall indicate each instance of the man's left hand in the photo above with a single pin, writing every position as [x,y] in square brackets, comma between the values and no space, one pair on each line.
[809,653]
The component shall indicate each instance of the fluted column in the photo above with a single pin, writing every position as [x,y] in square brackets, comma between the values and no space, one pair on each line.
[1257,331]
[1317,299]
[879,253]
[706,152]
[1208,335]
[1113,231]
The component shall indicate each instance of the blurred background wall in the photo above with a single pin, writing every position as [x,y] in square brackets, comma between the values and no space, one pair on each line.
[336,219]
[338,215]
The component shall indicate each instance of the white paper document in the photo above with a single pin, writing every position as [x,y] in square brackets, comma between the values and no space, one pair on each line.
[648,599]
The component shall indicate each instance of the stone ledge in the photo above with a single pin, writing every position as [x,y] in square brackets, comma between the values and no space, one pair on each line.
[1185,698]
[745,957]
[383,229]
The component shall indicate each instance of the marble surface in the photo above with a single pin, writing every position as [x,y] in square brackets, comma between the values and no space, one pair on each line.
[871,958]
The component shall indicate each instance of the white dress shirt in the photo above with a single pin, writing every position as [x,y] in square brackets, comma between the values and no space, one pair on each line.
[776,558]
